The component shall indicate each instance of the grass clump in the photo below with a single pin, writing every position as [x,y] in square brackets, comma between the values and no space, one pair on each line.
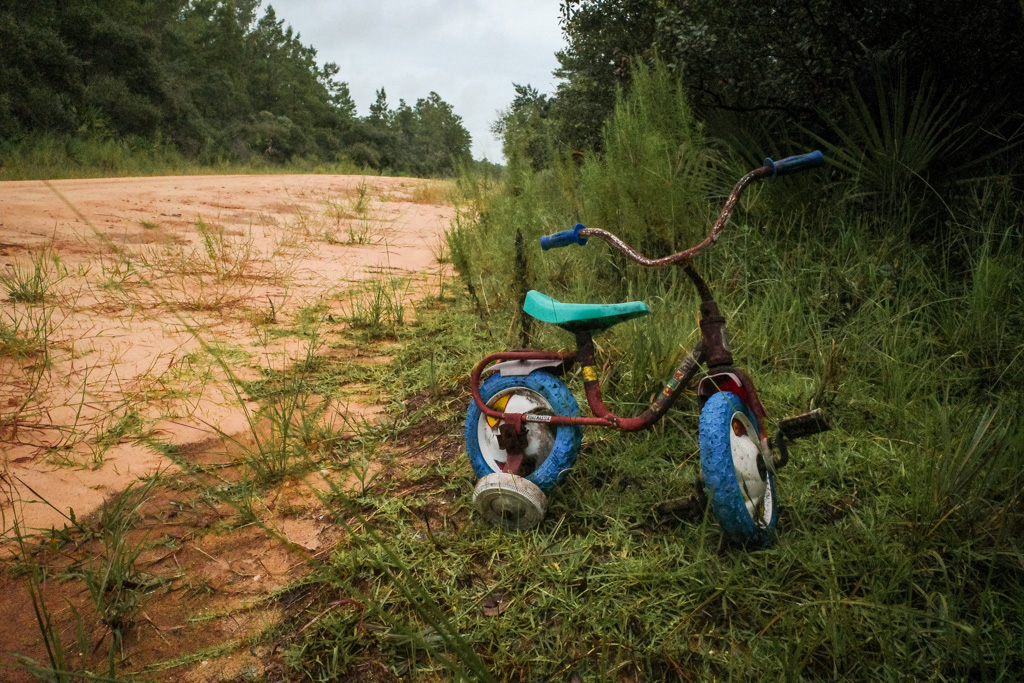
[33,283]
[222,268]
[285,447]
[433,192]
[115,584]
[116,587]
[352,221]
[24,334]
[379,306]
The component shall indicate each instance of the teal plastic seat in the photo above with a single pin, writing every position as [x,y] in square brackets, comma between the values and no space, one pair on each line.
[577,317]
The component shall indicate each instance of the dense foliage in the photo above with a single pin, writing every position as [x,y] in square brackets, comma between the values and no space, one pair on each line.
[212,79]
[764,69]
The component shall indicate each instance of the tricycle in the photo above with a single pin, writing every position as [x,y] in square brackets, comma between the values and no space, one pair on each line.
[524,429]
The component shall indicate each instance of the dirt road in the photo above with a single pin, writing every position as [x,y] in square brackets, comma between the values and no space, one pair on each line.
[124,301]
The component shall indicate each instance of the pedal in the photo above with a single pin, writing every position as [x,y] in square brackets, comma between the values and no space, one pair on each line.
[808,424]
[513,441]
[690,509]
[797,427]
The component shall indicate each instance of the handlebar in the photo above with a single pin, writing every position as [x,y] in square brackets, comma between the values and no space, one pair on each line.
[563,238]
[794,164]
[770,169]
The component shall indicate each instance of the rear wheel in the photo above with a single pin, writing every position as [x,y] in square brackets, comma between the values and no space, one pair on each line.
[736,478]
[550,450]
[509,501]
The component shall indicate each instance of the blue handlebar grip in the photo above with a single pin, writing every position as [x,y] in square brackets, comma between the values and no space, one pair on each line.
[563,238]
[800,162]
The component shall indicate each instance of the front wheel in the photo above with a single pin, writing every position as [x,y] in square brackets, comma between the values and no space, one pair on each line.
[738,482]
[550,451]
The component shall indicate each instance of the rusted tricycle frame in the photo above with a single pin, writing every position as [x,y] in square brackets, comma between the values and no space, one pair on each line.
[712,351]
[733,430]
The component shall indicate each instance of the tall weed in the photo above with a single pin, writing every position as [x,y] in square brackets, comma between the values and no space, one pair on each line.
[973,477]
[649,185]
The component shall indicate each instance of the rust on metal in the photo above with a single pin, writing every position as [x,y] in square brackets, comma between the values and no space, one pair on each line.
[682,257]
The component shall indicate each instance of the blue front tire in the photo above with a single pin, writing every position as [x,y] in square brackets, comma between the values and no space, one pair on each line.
[739,484]
[551,451]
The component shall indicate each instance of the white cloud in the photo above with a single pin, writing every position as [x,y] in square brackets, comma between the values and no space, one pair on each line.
[468,51]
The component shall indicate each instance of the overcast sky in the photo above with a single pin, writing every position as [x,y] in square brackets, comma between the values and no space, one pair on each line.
[469,52]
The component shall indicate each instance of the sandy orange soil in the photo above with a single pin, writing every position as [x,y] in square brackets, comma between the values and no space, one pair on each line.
[146,277]
[145,283]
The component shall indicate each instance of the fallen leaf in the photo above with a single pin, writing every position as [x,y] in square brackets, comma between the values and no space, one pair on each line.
[496,604]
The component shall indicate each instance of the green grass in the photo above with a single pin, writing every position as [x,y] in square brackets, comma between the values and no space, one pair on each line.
[377,307]
[49,156]
[117,587]
[96,156]
[897,555]
[25,332]
[875,574]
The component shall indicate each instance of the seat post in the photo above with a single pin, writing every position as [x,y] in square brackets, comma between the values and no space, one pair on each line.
[591,382]
[585,352]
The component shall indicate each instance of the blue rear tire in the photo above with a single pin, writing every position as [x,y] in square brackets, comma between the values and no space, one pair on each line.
[741,489]
[551,450]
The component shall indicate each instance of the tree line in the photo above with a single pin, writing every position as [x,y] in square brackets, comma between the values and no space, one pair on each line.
[755,72]
[215,79]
